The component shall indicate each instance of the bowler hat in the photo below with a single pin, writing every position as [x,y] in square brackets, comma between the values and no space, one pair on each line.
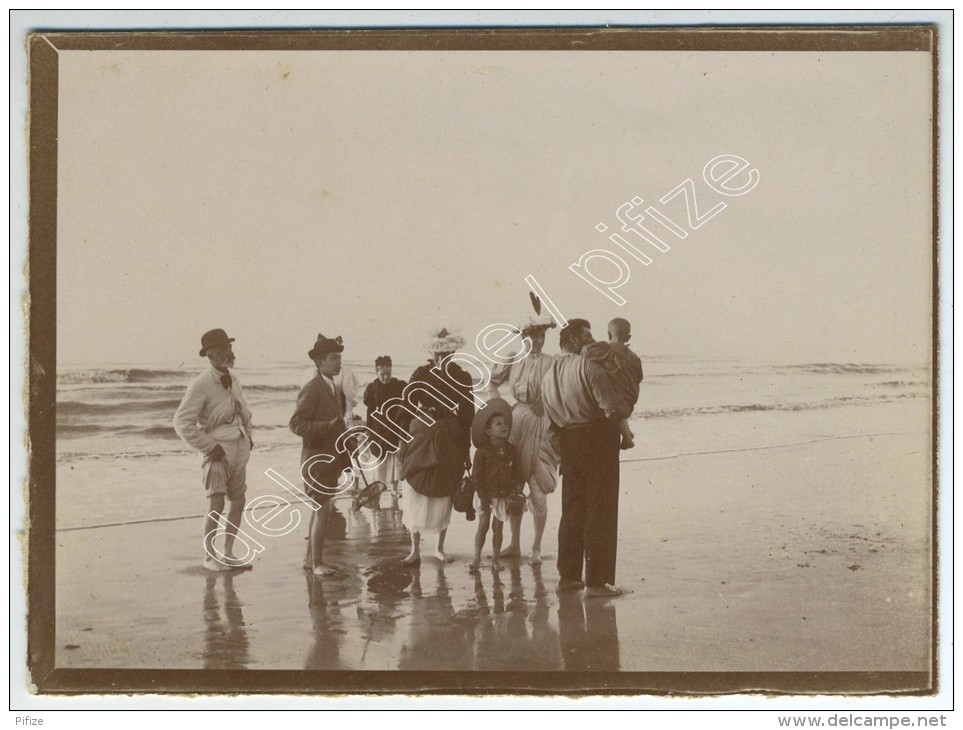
[494,407]
[212,339]
[323,346]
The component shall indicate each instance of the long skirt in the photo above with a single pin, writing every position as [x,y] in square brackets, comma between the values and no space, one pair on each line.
[537,458]
[424,514]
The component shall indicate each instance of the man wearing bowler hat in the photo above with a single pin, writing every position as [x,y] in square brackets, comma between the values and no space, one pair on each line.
[319,420]
[214,418]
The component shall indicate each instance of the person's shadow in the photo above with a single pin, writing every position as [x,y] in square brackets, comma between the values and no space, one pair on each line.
[510,631]
[588,633]
[436,639]
[325,652]
[544,651]
[225,635]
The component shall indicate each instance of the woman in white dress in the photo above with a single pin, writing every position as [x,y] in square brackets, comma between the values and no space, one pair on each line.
[538,459]
[436,468]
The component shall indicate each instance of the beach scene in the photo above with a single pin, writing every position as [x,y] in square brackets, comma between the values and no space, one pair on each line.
[736,211]
[772,517]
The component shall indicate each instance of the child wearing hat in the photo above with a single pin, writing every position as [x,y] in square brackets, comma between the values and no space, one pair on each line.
[495,475]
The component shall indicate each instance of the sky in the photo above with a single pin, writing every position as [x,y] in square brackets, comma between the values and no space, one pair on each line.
[379,195]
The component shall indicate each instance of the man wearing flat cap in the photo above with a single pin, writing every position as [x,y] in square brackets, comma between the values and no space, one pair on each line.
[214,418]
[319,420]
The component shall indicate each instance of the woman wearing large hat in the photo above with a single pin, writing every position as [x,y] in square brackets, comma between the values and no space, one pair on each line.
[538,459]
[452,431]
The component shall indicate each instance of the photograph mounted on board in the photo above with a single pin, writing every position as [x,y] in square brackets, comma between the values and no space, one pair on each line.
[578,361]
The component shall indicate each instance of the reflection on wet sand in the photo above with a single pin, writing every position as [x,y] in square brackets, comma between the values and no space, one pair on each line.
[378,614]
[225,636]
[435,639]
[513,633]
[588,633]
[389,616]
[327,629]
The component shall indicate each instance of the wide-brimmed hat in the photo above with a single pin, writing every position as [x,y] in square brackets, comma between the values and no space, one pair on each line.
[536,322]
[494,407]
[212,339]
[323,346]
[445,341]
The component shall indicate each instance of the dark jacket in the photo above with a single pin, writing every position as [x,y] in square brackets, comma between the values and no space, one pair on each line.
[450,387]
[496,475]
[375,396]
[317,407]
[430,462]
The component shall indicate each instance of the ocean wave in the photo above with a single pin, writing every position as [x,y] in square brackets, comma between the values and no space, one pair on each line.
[79,430]
[816,368]
[760,407]
[849,368]
[271,388]
[80,408]
[124,375]
[82,429]
[166,432]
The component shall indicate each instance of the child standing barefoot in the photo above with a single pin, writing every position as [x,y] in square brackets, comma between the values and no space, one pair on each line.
[495,475]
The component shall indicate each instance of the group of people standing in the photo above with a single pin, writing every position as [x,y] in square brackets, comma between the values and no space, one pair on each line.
[568,418]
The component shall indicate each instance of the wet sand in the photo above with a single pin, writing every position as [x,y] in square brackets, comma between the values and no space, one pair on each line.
[811,557]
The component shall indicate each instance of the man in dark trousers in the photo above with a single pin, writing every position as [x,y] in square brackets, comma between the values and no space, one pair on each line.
[585,411]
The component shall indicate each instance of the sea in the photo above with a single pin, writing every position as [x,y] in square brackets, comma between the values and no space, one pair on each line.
[119,459]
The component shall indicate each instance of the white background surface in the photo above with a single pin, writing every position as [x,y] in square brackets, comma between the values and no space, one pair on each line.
[44,706]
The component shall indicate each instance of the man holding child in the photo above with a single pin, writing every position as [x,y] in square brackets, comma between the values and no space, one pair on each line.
[585,410]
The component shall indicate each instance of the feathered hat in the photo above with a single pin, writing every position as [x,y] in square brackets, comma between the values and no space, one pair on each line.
[445,341]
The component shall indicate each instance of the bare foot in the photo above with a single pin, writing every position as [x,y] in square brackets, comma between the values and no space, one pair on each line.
[627,443]
[324,569]
[510,552]
[215,567]
[606,591]
[535,558]
[443,556]
[569,585]
[473,567]
[496,566]
[411,559]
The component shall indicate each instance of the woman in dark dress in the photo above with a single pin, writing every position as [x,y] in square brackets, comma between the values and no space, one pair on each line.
[378,392]
[452,419]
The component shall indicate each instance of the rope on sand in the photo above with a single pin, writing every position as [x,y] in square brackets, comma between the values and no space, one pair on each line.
[305,501]
[269,505]
[774,446]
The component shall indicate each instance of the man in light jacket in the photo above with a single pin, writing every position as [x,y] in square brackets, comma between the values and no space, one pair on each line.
[214,418]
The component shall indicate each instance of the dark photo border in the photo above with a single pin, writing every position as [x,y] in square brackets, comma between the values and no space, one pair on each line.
[41,370]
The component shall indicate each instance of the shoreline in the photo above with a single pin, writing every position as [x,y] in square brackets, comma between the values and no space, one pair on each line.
[739,561]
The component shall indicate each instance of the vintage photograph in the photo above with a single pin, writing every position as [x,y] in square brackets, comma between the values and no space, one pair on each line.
[573,360]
